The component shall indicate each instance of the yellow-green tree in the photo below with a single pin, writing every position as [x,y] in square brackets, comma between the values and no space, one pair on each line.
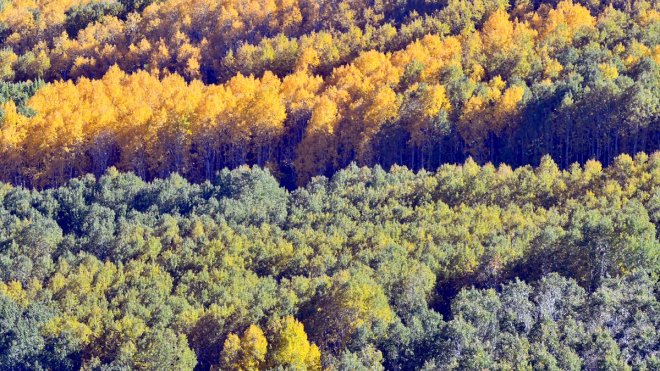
[290,347]
[246,353]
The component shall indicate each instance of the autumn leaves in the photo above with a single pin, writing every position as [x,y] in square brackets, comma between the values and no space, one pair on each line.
[327,103]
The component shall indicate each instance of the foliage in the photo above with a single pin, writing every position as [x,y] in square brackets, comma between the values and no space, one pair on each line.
[195,86]
[329,184]
[365,270]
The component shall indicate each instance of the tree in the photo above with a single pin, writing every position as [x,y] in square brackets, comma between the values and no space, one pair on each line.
[164,349]
[290,347]
[353,302]
[245,353]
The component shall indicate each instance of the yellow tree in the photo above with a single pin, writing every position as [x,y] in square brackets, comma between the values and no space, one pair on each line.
[558,26]
[56,154]
[366,100]
[7,61]
[291,348]
[508,46]
[246,353]
[173,127]
[135,113]
[317,152]
[258,116]
[488,114]
[208,127]
[420,110]
[300,91]
[353,301]
[287,17]
[497,32]
[13,132]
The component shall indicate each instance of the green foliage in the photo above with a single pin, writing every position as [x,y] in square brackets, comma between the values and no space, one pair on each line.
[80,16]
[367,270]
[464,203]
[19,93]
[23,344]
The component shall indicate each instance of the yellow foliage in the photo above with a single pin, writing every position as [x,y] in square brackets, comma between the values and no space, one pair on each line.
[324,116]
[58,325]
[354,301]
[300,91]
[383,107]
[153,122]
[565,20]
[423,108]
[12,131]
[246,353]
[510,99]
[316,151]
[609,71]
[7,60]
[165,120]
[497,32]
[489,113]
[552,68]
[290,347]
[433,53]
[14,290]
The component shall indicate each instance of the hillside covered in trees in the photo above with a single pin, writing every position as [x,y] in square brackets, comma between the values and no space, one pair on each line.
[306,87]
[468,267]
[249,185]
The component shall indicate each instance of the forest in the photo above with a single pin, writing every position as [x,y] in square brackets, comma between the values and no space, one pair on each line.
[304,87]
[468,267]
[361,185]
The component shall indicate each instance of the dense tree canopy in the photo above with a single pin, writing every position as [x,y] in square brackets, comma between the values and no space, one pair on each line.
[467,267]
[305,88]
[329,184]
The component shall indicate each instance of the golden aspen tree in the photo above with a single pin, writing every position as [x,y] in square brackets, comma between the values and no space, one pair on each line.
[508,46]
[318,150]
[208,127]
[552,68]
[247,353]
[231,353]
[354,301]
[257,116]
[473,54]
[609,71]
[172,126]
[12,136]
[300,91]
[291,348]
[432,53]
[497,32]
[489,114]
[100,115]
[191,55]
[308,58]
[287,17]
[266,114]
[421,108]
[57,154]
[365,99]
[7,61]
[135,114]
[563,21]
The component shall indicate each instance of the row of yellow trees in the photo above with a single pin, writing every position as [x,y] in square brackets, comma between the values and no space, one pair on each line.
[155,126]
[72,38]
